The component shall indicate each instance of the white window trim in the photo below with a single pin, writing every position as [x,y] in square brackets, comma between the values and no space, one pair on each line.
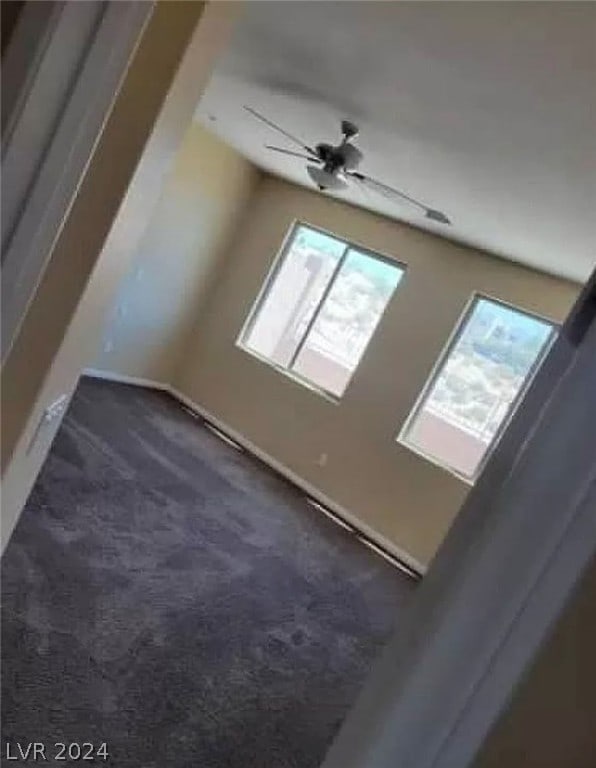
[267,282]
[402,437]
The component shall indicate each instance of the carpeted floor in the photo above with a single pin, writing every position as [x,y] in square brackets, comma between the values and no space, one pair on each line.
[173,597]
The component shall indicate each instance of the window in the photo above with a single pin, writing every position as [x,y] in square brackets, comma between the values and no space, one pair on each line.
[320,307]
[479,380]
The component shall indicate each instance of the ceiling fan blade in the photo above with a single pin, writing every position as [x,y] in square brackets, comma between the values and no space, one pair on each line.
[366,192]
[275,127]
[385,189]
[293,154]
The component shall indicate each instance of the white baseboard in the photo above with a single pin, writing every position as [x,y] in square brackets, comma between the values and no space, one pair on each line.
[121,378]
[411,562]
[375,537]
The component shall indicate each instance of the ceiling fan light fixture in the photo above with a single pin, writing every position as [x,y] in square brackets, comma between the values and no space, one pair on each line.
[339,165]
[325,180]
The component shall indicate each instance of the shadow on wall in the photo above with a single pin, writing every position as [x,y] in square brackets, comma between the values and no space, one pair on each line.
[183,248]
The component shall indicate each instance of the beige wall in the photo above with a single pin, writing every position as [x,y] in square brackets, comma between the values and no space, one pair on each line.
[174,266]
[406,500]
[551,722]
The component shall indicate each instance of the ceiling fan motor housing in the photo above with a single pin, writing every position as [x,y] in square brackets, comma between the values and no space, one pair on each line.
[326,152]
[351,156]
[343,157]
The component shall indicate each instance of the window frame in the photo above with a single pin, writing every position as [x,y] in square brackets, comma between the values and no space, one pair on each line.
[459,327]
[268,281]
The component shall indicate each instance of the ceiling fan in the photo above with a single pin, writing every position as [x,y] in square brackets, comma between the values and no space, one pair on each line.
[333,166]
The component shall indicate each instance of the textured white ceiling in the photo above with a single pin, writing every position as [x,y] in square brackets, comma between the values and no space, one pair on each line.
[484,110]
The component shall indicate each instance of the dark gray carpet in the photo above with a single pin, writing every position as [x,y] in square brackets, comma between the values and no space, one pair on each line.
[175,598]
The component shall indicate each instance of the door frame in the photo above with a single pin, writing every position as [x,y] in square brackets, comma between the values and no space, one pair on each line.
[502,578]
[80,93]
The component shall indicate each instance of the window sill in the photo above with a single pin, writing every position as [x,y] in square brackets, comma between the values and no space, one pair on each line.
[305,383]
[438,463]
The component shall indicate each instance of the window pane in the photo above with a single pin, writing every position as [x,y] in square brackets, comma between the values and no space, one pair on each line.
[477,385]
[347,320]
[293,295]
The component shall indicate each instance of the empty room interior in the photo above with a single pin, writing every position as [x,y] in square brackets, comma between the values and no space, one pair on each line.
[362,253]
